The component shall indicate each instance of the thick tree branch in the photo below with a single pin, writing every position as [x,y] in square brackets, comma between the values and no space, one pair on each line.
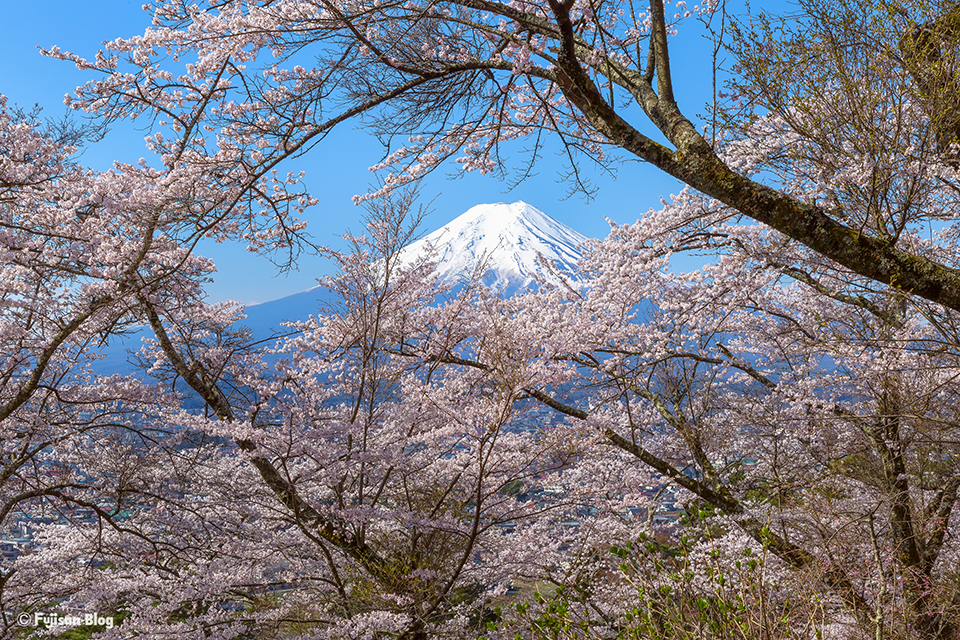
[695,163]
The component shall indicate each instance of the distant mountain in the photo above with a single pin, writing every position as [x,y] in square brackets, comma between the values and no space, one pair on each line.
[505,239]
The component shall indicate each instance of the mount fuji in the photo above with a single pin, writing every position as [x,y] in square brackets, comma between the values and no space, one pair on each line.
[502,240]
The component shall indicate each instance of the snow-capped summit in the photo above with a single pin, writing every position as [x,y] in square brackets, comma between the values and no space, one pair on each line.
[505,240]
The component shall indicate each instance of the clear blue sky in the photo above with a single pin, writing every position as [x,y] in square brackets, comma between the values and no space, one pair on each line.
[337,170]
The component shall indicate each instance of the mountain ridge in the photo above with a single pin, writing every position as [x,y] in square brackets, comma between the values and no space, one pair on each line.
[506,238]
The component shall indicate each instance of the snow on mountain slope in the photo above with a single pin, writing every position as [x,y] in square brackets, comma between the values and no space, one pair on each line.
[506,240]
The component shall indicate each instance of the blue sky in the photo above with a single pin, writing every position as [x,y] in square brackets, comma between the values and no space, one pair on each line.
[338,169]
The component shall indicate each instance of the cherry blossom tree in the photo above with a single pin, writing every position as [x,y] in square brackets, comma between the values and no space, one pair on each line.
[839,387]
[72,267]
[817,422]
[338,484]
[799,389]
[87,256]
